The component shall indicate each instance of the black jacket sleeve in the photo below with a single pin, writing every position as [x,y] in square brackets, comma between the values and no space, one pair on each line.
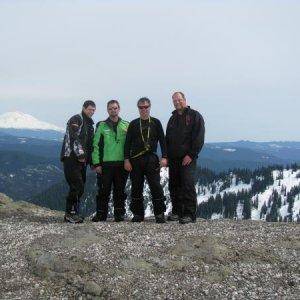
[167,133]
[162,140]
[128,142]
[198,133]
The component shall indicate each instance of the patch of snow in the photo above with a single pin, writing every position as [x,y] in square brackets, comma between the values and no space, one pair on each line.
[216,216]
[255,214]
[275,146]
[232,189]
[239,211]
[296,208]
[229,150]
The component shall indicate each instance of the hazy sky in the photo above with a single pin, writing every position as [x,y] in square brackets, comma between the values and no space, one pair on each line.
[238,62]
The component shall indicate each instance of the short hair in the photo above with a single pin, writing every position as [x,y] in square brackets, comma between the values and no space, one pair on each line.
[144,99]
[180,93]
[113,102]
[88,103]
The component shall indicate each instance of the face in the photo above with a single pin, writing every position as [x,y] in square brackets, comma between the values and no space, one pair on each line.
[89,111]
[144,109]
[178,101]
[113,110]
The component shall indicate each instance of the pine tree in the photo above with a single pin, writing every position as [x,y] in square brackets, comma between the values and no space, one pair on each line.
[247,208]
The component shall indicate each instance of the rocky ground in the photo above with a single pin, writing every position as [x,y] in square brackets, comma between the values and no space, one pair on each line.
[43,258]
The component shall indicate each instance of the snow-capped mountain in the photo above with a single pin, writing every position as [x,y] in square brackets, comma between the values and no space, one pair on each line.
[19,120]
[24,125]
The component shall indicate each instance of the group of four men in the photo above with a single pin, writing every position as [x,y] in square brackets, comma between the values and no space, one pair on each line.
[119,148]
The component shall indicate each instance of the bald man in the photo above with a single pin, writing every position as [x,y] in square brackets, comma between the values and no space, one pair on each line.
[185,139]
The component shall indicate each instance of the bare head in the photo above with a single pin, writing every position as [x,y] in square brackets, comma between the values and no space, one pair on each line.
[89,108]
[179,101]
[113,109]
[144,106]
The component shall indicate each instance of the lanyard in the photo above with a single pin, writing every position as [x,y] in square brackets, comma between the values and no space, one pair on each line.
[148,134]
[147,148]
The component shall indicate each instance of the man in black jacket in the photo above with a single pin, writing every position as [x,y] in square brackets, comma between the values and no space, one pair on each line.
[141,160]
[185,139]
[76,155]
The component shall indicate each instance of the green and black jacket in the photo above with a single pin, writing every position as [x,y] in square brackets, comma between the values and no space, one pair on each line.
[108,143]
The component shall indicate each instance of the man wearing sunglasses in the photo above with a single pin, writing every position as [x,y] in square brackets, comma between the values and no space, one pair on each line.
[108,161]
[142,161]
[185,139]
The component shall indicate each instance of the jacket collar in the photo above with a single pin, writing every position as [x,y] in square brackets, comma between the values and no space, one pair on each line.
[186,110]
[86,118]
[109,122]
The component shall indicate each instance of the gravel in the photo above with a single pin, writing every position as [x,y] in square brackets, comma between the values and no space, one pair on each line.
[44,258]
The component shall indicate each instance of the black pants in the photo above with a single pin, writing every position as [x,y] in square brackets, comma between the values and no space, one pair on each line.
[116,176]
[146,166]
[182,188]
[75,174]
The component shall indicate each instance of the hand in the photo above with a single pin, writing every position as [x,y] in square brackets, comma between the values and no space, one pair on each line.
[186,160]
[127,165]
[163,163]
[98,170]
[82,160]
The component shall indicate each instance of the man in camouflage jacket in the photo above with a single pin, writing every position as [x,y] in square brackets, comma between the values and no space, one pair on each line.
[76,155]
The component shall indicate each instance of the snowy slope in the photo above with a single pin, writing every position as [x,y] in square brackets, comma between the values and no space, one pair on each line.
[289,181]
[282,184]
[19,120]
[206,194]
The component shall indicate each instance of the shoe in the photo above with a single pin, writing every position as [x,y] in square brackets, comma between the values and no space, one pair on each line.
[99,218]
[72,218]
[186,220]
[137,218]
[160,218]
[119,218]
[81,217]
[173,217]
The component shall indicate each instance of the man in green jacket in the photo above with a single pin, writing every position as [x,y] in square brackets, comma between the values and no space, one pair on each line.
[108,161]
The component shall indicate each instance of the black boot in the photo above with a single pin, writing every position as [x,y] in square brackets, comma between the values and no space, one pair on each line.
[173,217]
[160,218]
[119,218]
[186,220]
[99,217]
[72,218]
[137,219]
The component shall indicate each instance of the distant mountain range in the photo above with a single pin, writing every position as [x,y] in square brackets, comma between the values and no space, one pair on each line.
[283,150]
[217,156]
[30,155]
[246,154]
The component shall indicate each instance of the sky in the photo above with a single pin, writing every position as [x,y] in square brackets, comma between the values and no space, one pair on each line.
[237,62]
